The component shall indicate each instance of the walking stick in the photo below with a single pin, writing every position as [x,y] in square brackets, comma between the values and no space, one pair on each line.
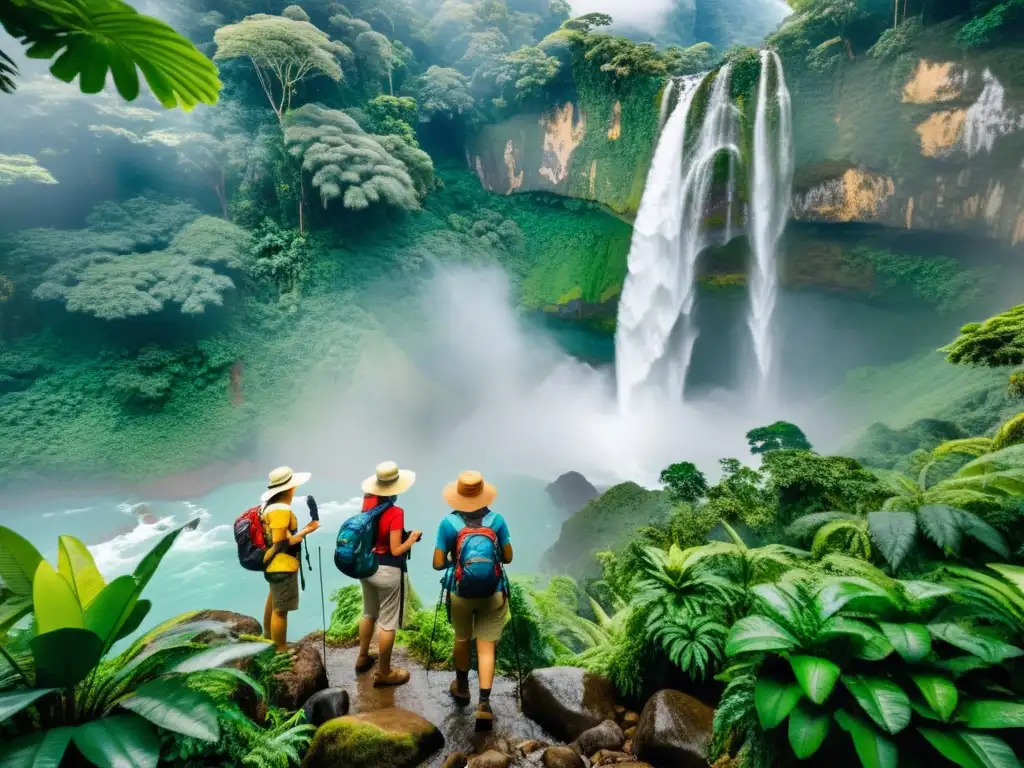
[323,608]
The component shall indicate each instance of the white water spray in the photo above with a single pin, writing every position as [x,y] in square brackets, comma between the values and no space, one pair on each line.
[655,334]
[666,98]
[771,200]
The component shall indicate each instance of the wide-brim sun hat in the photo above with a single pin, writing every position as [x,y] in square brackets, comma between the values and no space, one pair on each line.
[469,493]
[389,480]
[283,479]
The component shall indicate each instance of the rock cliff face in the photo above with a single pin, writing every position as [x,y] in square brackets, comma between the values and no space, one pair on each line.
[927,142]
[931,141]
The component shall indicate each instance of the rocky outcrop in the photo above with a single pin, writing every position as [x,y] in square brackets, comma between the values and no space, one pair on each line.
[293,687]
[571,491]
[607,736]
[566,701]
[233,623]
[386,738]
[562,757]
[674,731]
[326,705]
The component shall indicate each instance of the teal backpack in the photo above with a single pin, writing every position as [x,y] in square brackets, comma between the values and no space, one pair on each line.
[353,550]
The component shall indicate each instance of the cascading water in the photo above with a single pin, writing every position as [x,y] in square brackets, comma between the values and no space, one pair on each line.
[666,98]
[655,334]
[771,199]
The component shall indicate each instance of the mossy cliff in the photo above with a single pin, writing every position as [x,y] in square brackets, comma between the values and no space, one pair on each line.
[924,138]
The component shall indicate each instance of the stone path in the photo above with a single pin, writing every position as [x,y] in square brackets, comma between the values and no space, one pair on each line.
[427,696]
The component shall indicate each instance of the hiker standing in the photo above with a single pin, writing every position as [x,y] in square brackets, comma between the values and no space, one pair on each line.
[384,593]
[473,543]
[282,556]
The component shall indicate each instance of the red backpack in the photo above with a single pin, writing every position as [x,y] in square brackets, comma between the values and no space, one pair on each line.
[250,539]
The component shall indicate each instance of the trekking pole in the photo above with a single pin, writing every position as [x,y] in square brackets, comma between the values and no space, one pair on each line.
[433,634]
[323,608]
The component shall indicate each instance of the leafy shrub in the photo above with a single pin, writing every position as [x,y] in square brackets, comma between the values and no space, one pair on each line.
[779,436]
[685,483]
[81,697]
[348,610]
[881,663]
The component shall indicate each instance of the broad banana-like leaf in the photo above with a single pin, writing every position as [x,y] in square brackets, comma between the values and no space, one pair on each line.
[873,748]
[126,740]
[774,700]
[18,562]
[882,700]
[170,704]
[75,563]
[55,602]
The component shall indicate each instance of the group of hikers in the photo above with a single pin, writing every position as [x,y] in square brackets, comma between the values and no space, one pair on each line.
[472,547]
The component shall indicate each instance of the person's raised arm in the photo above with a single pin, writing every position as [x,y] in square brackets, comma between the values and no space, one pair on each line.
[506,554]
[441,548]
[504,539]
[399,547]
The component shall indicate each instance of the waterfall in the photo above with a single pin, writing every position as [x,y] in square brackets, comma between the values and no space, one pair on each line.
[666,98]
[655,333]
[770,202]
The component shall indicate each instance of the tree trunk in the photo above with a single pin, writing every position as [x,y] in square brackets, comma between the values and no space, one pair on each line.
[849,49]
[302,200]
[218,187]
[391,88]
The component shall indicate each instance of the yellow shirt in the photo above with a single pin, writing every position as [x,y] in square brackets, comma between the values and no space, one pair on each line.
[278,518]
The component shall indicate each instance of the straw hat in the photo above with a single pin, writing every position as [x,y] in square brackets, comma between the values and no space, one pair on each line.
[469,493]
[282,479]
[389,480]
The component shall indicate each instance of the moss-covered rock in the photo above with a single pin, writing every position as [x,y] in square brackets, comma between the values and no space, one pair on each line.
[607,522]
[387,738]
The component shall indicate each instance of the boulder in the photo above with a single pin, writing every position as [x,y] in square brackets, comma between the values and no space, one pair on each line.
[455,760]
[326,705]
[605,736]
[609,757]
[566,701]
[386,738]
[629,719]
[235,624]
[293,687]
[571,492]
[492,758]
[530,746]
[562,757]
[674,731]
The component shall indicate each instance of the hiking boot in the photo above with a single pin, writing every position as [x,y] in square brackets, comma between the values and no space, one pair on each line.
[484,716]
[365,663]
[461,697]
[395,677]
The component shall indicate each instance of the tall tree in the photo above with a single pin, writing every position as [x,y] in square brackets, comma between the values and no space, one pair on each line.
[376,54]
[283,52]
[349,164]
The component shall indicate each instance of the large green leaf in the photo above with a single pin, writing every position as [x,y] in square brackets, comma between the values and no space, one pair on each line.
[13,610]
[42,749]
[941,524]
[894,534]
[808,727]
[971,750]
[837,593]
[12,702]
[147,566]
[872,645]
[774,700]
[873,748]
[134,620]
[992,714]
[221,655]
[940,693]
[169,703]
[55,603]
[817,677]
[112,608]
[65,656]
[883,701]
[981,531]
[780,601]
[986,648]
[911,641]
[758,633]
[18,562]
[75,563]
[121,740]
[1012,573]
[92,37]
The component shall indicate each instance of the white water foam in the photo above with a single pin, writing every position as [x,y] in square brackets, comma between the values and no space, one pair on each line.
[989,118]
[771,202]
[655,333]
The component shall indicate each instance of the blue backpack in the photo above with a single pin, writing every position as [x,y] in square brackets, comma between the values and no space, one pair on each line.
[478,571]
[353,550]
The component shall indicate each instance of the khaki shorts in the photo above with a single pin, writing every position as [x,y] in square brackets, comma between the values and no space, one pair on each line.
[284,590]
[482,618]
[384,596]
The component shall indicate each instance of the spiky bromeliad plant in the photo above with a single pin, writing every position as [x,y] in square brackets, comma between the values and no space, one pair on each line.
[881,663]
[57,687]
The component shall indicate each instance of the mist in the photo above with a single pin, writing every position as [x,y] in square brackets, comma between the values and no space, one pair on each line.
[645,15]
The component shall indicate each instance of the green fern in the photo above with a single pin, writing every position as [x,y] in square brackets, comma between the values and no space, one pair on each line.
[693,643]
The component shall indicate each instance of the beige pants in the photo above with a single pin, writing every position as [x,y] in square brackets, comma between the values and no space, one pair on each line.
[384,597]
[482,618]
